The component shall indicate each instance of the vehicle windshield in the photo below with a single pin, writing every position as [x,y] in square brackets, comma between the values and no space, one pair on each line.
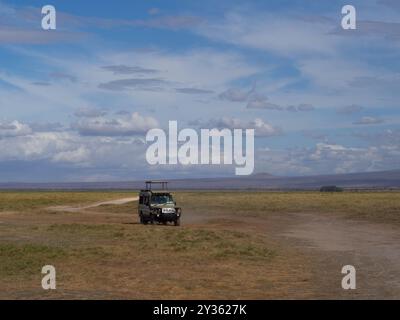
[161,199]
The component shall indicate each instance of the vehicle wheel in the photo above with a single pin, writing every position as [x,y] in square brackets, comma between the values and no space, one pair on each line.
[177,222]
[142,219]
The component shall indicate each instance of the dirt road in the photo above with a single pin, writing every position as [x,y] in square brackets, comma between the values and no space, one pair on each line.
[329,243]
[373,249]
[93,205]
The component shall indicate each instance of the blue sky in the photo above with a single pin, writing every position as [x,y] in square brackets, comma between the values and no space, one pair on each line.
[76,102]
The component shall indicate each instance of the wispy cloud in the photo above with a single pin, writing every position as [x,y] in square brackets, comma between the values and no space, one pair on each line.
[13,129]
[237,94]
[350,109]
[89,113]
[262,103]
[389,30]
[269,32]
[11,35]
[193,91]
[262,128]
[173,22]
[369,121]
[63,76]
[134,83]
[123,69]
[133,124]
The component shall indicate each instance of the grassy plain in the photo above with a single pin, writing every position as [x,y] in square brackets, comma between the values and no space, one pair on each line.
[371,206]
[103,252]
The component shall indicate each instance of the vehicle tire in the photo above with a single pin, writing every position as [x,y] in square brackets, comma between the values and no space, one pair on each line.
[177,222]
[141,218]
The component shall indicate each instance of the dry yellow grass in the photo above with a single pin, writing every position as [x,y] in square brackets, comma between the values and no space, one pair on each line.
[104,253]
[373,206]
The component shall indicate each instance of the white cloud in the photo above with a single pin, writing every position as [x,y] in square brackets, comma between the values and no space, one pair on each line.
[34,146]
[236,94]
[13,129]
[350,109]
[262,128]
[263,103]
[79,155]
[269,32]
[333,150]
[327,158]
[119,126]
[368,121]
[89,113]
[206,69]
[71,149]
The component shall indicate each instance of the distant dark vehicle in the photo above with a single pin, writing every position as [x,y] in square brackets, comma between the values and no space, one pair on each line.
[158,206]
[331,189]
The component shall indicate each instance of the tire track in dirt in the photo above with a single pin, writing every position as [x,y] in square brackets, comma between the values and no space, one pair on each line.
[93,205]
[373,249]
[329,242]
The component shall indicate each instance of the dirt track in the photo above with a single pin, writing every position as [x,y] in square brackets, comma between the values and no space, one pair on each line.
[373,249]
[93,205]
[330,243]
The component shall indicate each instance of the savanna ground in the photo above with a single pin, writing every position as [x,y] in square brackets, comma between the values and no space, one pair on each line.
[231,245]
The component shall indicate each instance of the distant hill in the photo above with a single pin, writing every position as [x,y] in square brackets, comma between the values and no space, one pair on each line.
[366,180]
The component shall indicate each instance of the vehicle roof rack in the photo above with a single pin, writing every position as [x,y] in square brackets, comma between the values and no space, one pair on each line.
[149,183]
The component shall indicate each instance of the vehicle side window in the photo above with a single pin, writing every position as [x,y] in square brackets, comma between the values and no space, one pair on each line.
[141,200]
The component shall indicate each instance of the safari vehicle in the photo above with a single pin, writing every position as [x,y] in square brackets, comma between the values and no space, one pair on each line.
[158,206]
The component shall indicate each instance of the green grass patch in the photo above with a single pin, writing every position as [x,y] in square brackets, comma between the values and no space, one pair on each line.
[158,239]
[198,243]
[219,244]
[27,259]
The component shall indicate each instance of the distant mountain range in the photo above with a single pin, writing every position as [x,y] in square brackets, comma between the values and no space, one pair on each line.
[263,181]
